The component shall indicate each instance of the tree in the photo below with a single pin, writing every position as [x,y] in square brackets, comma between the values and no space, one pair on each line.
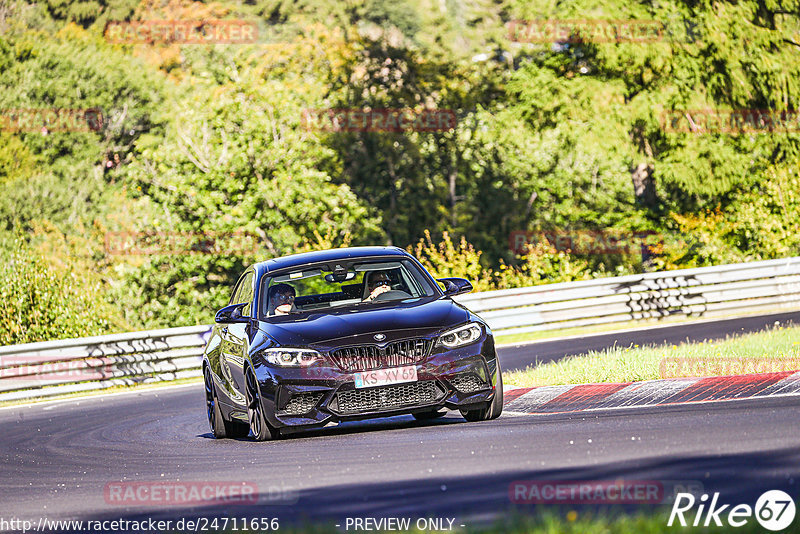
[235,158]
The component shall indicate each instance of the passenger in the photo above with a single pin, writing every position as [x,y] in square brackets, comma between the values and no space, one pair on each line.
[281,299]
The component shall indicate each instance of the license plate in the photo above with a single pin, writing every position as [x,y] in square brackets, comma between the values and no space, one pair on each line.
[384,377]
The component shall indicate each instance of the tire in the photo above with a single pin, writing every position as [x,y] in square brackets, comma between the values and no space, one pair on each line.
[261,429]
[220,427]
[493,409]
[427,416]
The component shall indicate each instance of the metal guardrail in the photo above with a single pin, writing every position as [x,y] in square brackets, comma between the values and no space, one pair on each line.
[706,292]
[40,370]
[46,369]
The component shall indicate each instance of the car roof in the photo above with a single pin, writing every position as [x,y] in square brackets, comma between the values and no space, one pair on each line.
[331,255]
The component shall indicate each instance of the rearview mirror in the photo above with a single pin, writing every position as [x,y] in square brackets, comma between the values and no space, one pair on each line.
[231,314]
[455,286]
[340,277]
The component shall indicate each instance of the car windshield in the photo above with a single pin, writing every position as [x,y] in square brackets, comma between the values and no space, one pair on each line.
[356,283]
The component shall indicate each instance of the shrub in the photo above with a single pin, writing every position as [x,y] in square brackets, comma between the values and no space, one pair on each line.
[447,259]
[41,303]
[540,264]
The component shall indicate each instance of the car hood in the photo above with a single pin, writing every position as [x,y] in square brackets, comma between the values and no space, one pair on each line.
[423,315]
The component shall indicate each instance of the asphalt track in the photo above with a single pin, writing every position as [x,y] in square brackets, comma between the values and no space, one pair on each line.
[58,459]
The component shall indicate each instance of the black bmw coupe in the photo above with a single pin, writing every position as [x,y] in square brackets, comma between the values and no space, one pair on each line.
[345,334]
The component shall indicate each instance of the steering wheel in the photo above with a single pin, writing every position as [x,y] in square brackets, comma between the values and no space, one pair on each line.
[392,294]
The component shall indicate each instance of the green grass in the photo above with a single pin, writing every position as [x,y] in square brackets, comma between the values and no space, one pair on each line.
[511,339]
[772,350]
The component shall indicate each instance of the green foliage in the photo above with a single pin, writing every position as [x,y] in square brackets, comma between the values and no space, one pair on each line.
[87,12]
[543,264]
[758,224]
[235,158]
[393,14]
[445,259]
[16,160]
[41,302]
[66,172]
[540,264]
[737,56]
[549,137]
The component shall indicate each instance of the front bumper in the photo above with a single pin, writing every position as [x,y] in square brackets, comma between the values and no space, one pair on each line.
[461,378]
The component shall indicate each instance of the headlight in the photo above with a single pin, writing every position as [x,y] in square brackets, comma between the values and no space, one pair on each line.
[463,335]
[289,357]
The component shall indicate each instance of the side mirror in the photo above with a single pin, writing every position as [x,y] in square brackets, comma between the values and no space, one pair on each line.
[232,314]
[455,286]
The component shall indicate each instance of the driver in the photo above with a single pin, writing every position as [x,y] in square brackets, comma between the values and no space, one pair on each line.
[377,284]
[281,299]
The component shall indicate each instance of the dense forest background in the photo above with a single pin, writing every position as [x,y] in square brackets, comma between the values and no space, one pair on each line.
[560,135]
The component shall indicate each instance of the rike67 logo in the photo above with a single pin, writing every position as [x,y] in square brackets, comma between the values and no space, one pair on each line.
[774,510]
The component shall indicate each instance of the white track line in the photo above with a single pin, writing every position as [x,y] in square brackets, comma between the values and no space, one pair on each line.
[643,394]
[651,391]
[538,397]
[788,386]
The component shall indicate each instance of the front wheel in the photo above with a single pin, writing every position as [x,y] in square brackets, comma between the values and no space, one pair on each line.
[262,431]
[493,409]
[220,428]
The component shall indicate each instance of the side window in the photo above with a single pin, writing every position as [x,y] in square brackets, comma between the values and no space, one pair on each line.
[245,294]
[236,289]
